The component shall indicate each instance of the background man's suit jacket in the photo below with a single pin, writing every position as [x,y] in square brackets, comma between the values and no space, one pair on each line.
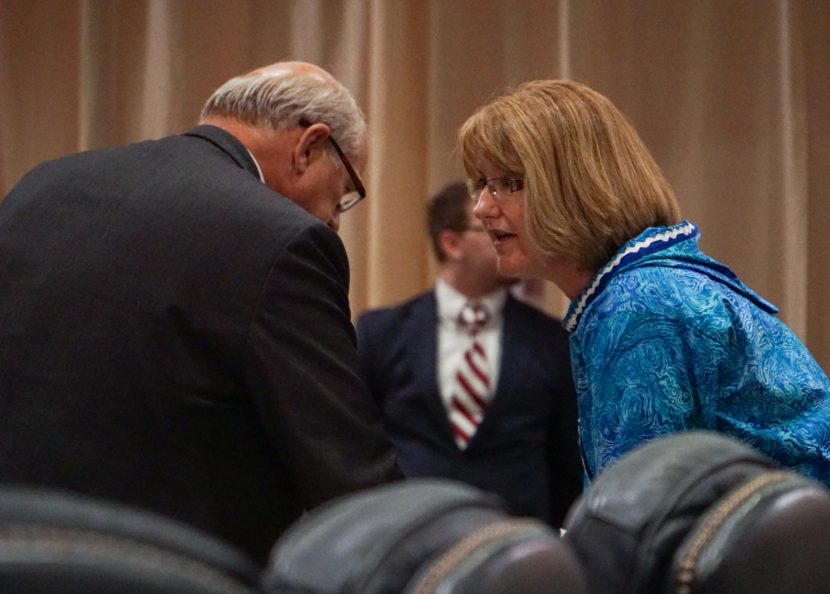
[526,447]
[175,335]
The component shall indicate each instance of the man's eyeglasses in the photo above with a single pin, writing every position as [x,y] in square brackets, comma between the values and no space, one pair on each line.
[352,198]
[498,187]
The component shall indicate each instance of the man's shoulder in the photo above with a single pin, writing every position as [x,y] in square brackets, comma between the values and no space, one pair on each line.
[206,182]
[378,317]
[533,316]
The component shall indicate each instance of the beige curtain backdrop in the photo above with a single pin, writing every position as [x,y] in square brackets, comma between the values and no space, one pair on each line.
[731,95]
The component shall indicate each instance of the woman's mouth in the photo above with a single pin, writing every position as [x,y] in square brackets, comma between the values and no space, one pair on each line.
[500,236]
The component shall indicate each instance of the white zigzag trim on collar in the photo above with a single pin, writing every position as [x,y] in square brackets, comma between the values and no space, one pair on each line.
[573,320]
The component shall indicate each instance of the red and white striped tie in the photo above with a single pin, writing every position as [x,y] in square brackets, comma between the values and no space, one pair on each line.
[471,390]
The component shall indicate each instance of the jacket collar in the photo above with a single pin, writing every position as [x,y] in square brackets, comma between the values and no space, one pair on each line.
[670,247]
[227,143]
[648,242]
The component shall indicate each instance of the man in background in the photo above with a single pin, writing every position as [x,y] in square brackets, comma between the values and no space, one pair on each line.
[174,320]
[473,384]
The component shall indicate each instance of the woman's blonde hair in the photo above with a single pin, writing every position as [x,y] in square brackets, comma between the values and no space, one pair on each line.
[590,182]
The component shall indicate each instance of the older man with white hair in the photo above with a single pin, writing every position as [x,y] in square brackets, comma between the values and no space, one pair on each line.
[175,330]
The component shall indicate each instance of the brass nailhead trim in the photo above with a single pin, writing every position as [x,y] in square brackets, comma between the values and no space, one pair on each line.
[686,574]
[461,550]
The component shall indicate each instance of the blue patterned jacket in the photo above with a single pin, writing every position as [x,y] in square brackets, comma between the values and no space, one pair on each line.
[665,339]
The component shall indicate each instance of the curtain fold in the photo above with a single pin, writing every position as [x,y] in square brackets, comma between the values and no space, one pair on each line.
[730,96]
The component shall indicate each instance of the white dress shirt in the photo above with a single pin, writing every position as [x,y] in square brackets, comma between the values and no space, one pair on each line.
[453,341]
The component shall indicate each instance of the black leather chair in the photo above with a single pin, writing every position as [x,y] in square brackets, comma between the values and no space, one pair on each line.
[768,535]
[701,513]
[57,543]
[420,537]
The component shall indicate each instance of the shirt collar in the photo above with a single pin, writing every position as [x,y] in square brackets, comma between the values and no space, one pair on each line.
[258,168]
[450,302]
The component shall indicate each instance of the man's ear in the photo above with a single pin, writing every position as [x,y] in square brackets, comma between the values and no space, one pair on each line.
[309,146]
[449,242]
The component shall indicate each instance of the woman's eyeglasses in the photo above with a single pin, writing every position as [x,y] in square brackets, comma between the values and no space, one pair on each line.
[498,187]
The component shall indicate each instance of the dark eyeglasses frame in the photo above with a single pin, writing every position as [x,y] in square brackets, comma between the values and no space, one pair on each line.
[358,185]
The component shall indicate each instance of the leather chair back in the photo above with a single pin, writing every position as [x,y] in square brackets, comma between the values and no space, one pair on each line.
[420,536]
[53,542]
[770,534]
[702,513]
[627,526]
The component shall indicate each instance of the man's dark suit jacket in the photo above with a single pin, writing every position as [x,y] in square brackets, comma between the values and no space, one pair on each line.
[525,449]
[176,336]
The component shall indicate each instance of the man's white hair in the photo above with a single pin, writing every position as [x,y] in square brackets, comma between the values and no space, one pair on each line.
[282,98]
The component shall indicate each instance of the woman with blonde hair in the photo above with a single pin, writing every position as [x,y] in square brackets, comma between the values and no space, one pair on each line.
[663,338]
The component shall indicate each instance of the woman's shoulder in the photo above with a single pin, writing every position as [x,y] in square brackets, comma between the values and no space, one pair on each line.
[653,299]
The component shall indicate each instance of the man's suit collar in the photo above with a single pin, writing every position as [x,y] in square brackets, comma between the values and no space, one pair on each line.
[519,340]
[227,143]
[419,334]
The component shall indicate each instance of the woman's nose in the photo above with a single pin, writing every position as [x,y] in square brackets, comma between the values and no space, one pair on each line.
[485,204]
